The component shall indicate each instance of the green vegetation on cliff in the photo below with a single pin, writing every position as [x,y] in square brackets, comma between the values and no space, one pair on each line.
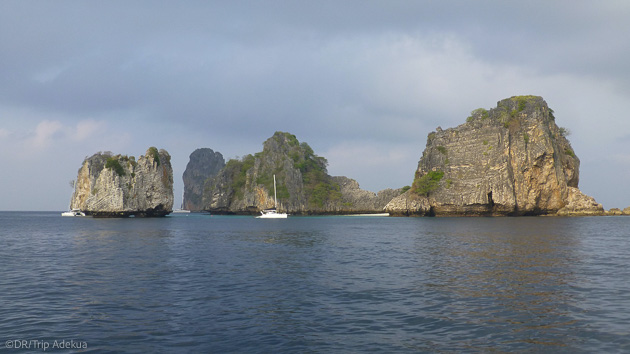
[318,187]
[423,185]
[509,111]
[522,101]
[114,164]
[321,192]
[153,151]
[480,113]
[282,154]
[237,170]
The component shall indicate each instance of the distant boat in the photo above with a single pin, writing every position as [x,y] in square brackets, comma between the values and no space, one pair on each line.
[181,210]
[272,213]
[73,212]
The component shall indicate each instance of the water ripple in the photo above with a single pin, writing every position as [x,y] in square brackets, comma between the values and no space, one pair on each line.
[332,284]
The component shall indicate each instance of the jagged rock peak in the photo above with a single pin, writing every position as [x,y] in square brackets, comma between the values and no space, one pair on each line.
[110,185]
[203,164]
[509,160]
[245,186]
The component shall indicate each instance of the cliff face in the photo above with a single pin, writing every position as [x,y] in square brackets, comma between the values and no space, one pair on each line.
[303,184]
[203,164]
[120,186]
[356,200]
[510,160]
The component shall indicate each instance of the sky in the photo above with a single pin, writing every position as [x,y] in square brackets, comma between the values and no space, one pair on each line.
[362,82]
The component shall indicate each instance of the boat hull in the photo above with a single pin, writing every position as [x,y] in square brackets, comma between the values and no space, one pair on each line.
[271,214]
[73,213]
[280,216]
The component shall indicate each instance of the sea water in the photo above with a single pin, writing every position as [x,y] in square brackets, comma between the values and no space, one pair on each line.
[201,283]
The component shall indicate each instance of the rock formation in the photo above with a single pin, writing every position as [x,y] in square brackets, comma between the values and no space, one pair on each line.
[579,204]
[303,184]
[357,200]
[203,164]
[120,186]
[614,212]
[626,211]
[510,160]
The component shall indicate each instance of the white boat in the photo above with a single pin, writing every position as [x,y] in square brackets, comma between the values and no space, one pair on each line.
[272,213]
[181,210]
[73,212]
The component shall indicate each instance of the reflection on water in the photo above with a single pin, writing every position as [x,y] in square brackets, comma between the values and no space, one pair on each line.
[514,280]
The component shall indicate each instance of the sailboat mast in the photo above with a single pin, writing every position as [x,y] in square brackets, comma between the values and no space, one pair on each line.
[275,199]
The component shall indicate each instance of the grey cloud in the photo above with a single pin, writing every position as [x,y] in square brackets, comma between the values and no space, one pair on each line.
[357,72]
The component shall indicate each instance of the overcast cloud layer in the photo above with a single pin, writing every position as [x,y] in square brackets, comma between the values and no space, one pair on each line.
[363,82]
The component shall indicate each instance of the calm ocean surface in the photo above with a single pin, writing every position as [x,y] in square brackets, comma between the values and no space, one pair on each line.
[199,283]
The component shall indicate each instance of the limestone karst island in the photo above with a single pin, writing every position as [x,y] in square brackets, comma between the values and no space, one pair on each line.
[119,186]
[510,160]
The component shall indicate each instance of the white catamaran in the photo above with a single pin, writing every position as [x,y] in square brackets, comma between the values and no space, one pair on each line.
[272,213]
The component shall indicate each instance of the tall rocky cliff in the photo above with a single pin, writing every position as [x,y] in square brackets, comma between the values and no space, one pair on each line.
[303,185]
[510,160]
[203,164]
[118,186]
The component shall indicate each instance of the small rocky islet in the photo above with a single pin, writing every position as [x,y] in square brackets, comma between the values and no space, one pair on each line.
[109,185]
[510,160]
